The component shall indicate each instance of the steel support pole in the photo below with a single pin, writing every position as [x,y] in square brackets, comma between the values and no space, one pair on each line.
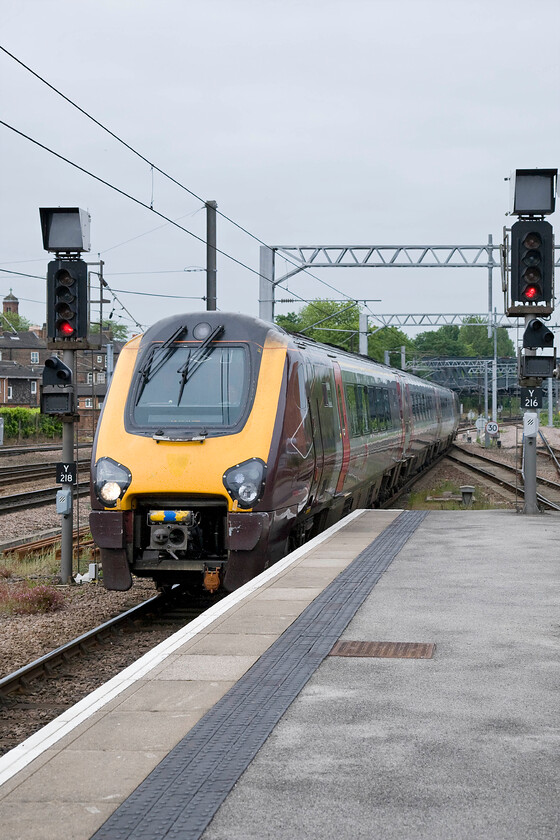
[530,475]
[495,373]
[486,389]
[110,360]
[490,267]
[266,283]
[550,406]
[67,525]
[211,256]
[530,461]
[486,435]
[363,324]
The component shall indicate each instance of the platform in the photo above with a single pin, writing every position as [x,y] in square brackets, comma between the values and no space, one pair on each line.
[243,725]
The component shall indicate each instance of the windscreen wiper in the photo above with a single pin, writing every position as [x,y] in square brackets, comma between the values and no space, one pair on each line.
[162,353]
[199,355]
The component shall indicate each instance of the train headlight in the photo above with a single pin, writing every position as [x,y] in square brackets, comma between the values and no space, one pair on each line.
[245,482]
[110,481]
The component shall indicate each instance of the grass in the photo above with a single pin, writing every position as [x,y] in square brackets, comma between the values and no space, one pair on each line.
[419,500]
[28,598]
[43,565]
[28,584]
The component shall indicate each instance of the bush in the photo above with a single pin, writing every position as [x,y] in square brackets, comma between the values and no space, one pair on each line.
[544,419]
[26,422]
[29,599]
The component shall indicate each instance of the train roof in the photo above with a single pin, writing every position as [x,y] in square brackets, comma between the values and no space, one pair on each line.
[257,330]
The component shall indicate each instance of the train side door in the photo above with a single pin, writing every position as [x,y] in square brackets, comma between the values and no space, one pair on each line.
[318,447]
[406,415]
[344,433]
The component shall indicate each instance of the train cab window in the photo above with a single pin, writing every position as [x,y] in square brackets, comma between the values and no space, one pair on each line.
[189,390]
[327,395]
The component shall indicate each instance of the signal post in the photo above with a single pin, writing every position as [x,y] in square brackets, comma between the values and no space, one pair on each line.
[66,234]
[529,288]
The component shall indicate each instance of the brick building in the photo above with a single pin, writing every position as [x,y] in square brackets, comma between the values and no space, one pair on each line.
[19,385]
[22,358]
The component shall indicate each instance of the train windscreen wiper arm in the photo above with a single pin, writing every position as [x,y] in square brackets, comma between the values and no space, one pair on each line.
[163,352]
[200,355]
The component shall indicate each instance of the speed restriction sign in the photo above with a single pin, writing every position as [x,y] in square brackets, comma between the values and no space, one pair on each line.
[492,428]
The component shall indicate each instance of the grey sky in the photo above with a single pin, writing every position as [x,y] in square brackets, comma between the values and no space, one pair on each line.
[341,122]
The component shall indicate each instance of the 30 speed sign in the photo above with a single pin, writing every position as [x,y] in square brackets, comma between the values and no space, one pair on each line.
[492,428]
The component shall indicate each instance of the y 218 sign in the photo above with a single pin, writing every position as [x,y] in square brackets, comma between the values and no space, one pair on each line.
[531,397]
[67,473]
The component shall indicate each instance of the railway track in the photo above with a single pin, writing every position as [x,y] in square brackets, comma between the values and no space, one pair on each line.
[389,503]
[37,693]
[505,475]
[47,447]
[20,474]
[36,498]
[45,665]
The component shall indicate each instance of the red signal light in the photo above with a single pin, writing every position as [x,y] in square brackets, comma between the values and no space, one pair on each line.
[65,328]
[530,292]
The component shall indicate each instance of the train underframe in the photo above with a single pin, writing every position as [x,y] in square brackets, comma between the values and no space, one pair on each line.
[193,538]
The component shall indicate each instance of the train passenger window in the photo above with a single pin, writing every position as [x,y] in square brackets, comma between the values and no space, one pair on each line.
[351,410]
[361,425]
[379,408]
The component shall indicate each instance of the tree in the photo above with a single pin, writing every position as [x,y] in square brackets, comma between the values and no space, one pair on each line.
[468,340]
[474,336]
[120,331]
[443,342]
[18,322]
[337,323]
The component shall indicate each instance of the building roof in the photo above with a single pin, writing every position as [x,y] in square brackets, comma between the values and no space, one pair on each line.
[13,370]
[21,341]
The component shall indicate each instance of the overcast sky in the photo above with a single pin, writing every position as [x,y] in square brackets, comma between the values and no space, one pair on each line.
[318,122]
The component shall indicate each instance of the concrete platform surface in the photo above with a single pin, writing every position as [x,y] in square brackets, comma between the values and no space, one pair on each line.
[462,745]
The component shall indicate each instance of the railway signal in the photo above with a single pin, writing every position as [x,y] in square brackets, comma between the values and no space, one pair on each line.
[532,266]
[530,292]
[537,335]
[65,233]
[57,393]
[67,291]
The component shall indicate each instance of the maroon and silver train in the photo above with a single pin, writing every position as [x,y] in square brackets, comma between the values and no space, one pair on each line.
[226,442]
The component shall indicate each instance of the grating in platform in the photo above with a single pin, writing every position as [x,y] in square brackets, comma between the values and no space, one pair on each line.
[385,650]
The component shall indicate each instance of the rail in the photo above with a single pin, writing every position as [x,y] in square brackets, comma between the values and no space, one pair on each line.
[45,664]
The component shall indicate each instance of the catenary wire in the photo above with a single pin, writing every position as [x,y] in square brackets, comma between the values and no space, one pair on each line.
[136,201]
[125,194]
[161,171]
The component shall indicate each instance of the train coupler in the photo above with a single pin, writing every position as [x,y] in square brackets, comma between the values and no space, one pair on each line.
[211,580]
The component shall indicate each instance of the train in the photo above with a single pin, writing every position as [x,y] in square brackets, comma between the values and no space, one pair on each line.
[225,442]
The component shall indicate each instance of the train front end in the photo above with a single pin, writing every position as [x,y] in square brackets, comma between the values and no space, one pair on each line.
[181,452]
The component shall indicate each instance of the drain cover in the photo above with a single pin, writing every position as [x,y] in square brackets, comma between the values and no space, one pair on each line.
[385,650]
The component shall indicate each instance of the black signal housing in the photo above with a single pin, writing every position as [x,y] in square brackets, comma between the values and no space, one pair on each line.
[532,268]
[67,309]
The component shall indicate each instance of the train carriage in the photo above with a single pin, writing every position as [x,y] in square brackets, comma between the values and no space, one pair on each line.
[225,442]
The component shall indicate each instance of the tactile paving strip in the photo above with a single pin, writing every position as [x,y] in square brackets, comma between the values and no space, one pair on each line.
[182,794]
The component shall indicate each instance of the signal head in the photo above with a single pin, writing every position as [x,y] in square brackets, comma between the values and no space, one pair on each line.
[67,300]
[532,267]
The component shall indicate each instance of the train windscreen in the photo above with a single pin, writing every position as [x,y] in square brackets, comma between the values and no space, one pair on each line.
[188,388]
